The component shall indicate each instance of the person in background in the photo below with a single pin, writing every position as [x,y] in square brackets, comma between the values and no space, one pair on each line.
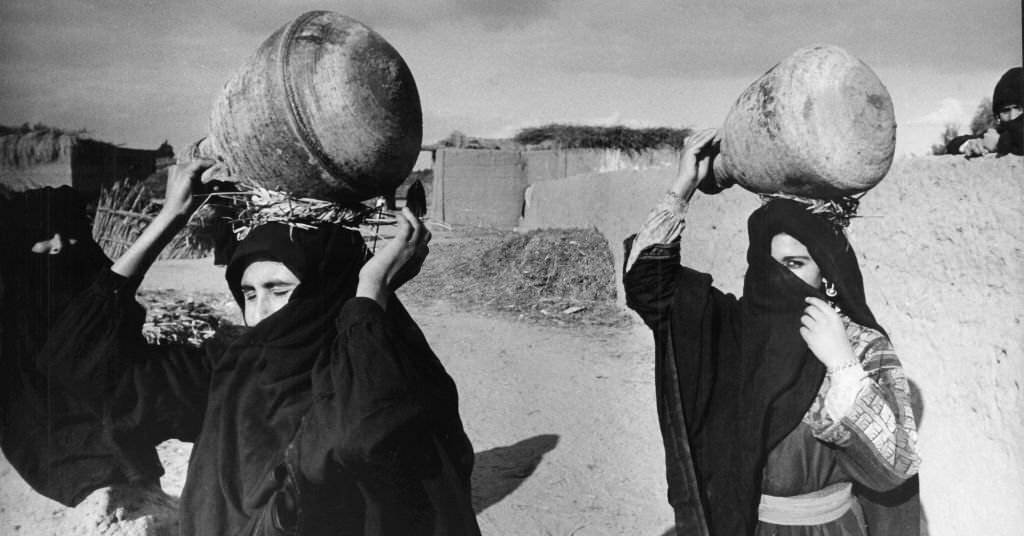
[62,447]
[1008,135]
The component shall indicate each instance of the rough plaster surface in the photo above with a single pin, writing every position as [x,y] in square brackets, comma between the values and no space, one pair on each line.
[485,187]
[940,245]
[475,187]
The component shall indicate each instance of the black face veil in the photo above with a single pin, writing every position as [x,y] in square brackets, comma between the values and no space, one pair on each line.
[770,286]
[37,287]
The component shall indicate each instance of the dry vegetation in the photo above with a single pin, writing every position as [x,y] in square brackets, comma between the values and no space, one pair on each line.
[553,276]
[172,318]
[563,136]
[125,209]
[30,145]
[629,140]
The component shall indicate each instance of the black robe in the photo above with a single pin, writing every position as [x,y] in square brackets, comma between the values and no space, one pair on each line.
[332,416]
[63,447]
[733,375]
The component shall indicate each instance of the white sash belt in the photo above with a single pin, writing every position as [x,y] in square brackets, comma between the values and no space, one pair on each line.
[816,508]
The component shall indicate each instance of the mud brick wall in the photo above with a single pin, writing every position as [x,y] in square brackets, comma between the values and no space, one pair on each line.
[485,187]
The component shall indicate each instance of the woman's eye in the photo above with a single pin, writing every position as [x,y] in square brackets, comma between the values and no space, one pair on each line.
[794,264]
[282,291]
[249,296]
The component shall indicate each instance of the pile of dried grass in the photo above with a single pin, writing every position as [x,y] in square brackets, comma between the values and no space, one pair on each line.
[175,319]
[629,140]
[32,145]
[565,275]
[125,209]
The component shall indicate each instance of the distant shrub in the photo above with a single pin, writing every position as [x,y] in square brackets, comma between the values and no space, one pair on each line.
[952,131]
[630,140]
[983,120]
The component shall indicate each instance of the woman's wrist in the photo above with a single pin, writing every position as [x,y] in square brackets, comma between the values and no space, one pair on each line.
[175,213]
[839,367]
[373,288]
[684,188]
[136,260]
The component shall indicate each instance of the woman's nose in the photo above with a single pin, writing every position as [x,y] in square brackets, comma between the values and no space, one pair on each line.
[263,308]
[51,246]
[56,244]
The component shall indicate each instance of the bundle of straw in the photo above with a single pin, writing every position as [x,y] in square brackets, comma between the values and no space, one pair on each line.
[253,204]
[838,211]
[256,205]
[123,212]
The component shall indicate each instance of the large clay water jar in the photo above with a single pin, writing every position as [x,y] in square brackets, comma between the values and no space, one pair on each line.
[325,108]
[818,124]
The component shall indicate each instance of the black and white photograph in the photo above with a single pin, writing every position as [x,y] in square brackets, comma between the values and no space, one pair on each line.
[495,267]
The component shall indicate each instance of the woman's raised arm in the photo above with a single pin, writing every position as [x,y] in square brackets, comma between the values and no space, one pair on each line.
[183,182]
[665,222]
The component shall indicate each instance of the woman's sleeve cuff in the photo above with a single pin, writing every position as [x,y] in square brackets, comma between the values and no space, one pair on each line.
[359,310]
[110,282]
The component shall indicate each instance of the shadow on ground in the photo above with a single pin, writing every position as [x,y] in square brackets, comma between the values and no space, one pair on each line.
[499,471]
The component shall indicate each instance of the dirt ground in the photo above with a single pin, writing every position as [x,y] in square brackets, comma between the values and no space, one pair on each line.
[562,419]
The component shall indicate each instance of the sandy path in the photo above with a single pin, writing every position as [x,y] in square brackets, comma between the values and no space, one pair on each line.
[563,422]
[580,400]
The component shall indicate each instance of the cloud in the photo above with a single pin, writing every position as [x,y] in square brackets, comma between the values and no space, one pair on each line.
[389,15]
[503,14]
[950,111]
[653,38]
[487,66]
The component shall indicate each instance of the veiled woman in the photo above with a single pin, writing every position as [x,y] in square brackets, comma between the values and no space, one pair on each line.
[330,414]
[772,405]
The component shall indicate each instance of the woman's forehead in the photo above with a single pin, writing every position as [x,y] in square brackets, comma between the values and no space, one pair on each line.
[262,271]
[784,244]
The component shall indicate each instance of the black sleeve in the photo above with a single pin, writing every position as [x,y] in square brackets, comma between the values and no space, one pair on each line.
[1011,140]
[96,353]
[372,400]
[953,145]
[652,281]
[385,416]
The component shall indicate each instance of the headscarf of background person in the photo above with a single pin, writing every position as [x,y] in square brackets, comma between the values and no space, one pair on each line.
[745,376]
[1009,91]
[65,462]
[43,284]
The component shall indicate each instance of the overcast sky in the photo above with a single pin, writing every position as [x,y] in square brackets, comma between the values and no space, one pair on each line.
[138,72]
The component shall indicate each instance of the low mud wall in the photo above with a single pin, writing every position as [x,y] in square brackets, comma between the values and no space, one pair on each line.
[484,188]
[941,247]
